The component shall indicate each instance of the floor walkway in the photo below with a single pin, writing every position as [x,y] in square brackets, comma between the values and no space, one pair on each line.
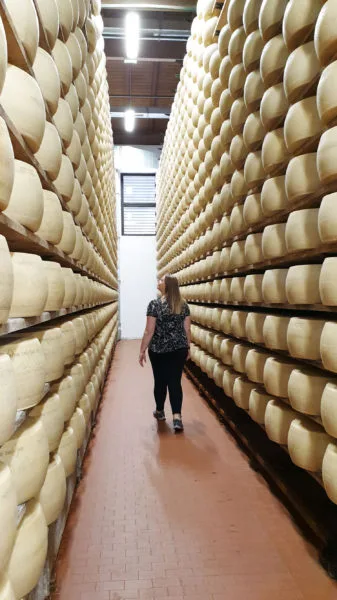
[159,516]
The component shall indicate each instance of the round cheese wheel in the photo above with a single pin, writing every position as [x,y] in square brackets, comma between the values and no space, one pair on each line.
[29,370]
[24,18]
[66,390]
[252,51]
[237,117]
[238,187]
[325,36]
[238,151]
[302,230]
[237,255]
[275,155]
[302,72]
[50,19]
[253,91]
[251,15]
[64,122]
[273,60]
[74,150]
[63,63]
[237,81]
[78,424]
[303,127]
[30,289]
[225,104]
[6,280]
[50,152]
[328,405]
[326,95]
[69,287]
[278,418]
[67,451]
[66,17]
[307,443]
[65,180]
[72,99]
[329,471]
[327,282]
[47,76]
[50,413]
[276,376]
[223,40]
[236,221]
[304,336]
[255,363]
[52,221]
[305,390]
[253,248]
[274,241]
[68,240]
[27,455]
[238,324]
[234,13]
[258,401]
[328,352]
[27,109]
[27,186]
[3,55]
[241,392]
[30,550]
[273,195]
[56,286]
[302,178]
[8,402]
[225,322]
[252,210]
[75,53]
[254,171]
[274,107]
[235,46]
[226,351]
[8,516]
[53,492]
[236,292]
[229,378]
[218,374]
[299,21]
[303,284]
[327,223]
[274,332]
[254,327]
[274,286]
[253,132]
[6,165]
[75,203]
[270,18]
[253,289]
[83,44]
[325,154]
[51,339]
[6,590]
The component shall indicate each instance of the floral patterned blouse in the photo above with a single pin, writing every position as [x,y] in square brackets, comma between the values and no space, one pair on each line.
[169,334]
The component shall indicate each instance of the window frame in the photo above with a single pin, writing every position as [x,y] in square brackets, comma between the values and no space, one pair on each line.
[137,204]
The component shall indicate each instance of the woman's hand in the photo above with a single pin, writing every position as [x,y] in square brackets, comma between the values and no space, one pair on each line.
[142,359]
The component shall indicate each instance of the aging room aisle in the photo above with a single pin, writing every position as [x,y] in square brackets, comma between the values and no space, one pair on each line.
[176,517]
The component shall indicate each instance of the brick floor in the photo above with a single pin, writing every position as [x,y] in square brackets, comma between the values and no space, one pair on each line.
[159,516]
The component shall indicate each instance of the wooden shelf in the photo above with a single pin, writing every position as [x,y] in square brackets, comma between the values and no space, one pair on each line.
[21,239]
[308,309]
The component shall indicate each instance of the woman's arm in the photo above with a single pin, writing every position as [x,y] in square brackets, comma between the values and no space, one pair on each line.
[187,325]
[147,337]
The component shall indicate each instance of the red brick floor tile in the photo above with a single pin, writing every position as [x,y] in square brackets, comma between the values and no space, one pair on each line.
[158,516]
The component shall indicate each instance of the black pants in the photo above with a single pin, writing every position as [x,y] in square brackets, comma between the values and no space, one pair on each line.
[167,371]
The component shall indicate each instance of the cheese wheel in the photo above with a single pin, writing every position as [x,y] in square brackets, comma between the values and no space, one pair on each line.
[223,40]
[65,180]
[30,289]
[302,178]
[303,127]
[229,378]
[305,390]
[64,122]
[325,35]
[275,155]
[238,324]
[51,340]
[51,227]
[275,331]
[78,424]
[8,516]
[225,322]
[253,131]
[253,91]
[274,241]
[274,107]
[251,15]
[53,492]
[75,53]
[328,352]
[66,390]
[270,18]
[329,471]
[238,151]
[225,104]
[236,221]
[69,287]
[241,392]
[327,223]
[254,171]
[299,21]
[6,164]
[29,369]
[252,209]
[27,455]
[6,280]
[27,109]
[50,413]
[26,201]
[66,17]
[302,230]
[48,78]
[273,195]
[253,289]
[326,95]
[304,336]
[237,81]
[218,373]
[238,115]
[50,19]
[72,99]
[237,255]
[239,356]
[273,60]
[307,443]
[8,401]
[30,550]
[238,186]
[302,72]
[6,590]
[83,44]
[68,239]
[278,418]
[255,363]
[50,152]
[3,55]
[235,46]
[63,63]
[56,286]
[24,18]
[325,156]
[276,376]
[303,284]
[253,248]
[327,282]
[252,51]
[234,13]
[226,351]
[328,405]
[67,451]
[236,292]
[258,401]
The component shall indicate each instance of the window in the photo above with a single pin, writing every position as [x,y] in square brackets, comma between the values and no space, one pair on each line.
[138,204]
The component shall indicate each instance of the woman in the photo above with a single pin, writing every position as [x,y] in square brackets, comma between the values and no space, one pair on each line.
[168,336]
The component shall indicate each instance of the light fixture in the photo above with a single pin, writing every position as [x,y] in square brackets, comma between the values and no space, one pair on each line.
[132,35]
[129,120]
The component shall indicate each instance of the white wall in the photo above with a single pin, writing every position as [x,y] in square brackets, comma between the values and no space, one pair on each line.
[137,254]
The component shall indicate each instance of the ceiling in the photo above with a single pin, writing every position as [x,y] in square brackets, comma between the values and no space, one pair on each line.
[148,86]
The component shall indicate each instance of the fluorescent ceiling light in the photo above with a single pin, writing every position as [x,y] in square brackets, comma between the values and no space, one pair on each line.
[129,119]
[132,35]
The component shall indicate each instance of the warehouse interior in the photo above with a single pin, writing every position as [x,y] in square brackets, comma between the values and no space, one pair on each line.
[140,140]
